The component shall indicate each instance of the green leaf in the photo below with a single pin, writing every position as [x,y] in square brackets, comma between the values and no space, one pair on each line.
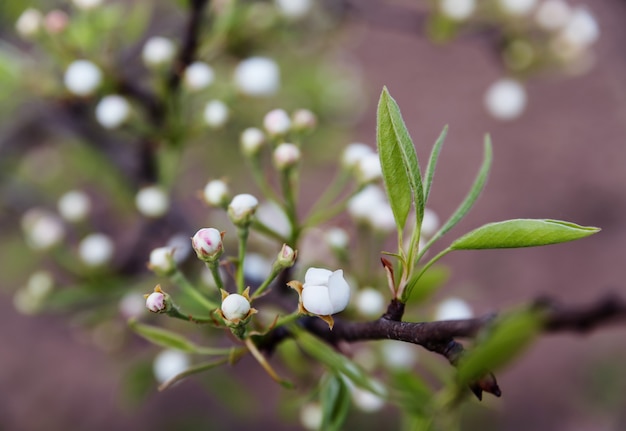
[401,172]
[522,233]
[499,345]
[335,398]
[432,163]
[335,361]
[162,337]
[477,188]
[411,393]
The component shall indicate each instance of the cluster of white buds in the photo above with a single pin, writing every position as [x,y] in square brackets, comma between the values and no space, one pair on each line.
[257,76]
[158,51]
[242,208]
[216,113]
[208,244]
[198,76]
[152,201]
[82,77]
[216,193]
[112,111]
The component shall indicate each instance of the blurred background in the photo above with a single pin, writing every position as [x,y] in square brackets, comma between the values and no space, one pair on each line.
[562,157]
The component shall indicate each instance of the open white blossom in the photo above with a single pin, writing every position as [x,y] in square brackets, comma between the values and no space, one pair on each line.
[505,99]
[96,249]
[169,363]
[112,111]
[325,292]
[82,77]
[457,10]
[257,76]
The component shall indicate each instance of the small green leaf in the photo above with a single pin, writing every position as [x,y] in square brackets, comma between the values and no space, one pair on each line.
[432,163]
[477,188]
[521,233]
[499,345]
[401,172]
[335,398]
[412,393]
[162,337]
[335,361]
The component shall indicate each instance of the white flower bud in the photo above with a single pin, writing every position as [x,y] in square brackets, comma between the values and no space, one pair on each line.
[325,292]
[369,168]
[112,111]
[453,309]
[353,154]
[198,76]
[272,215]
[252,139]
[293,9]
[336,238]
[56,21]
[132,305]
[430,222]
[158,51]
[286,156]
[581,30]
[155,302]
[242,208]
[82,77]
[311,416]
[169,363]
[553,14]
[74,206]
[96,249]
[162,260]
[87,4]
[457,10]
[505,99]
[216,193]
[277,122]
[207,243]
[370,302]
[40,284]
[363,203]
[43,229]
[399,355]
[286,257]
[152,201]
[235,307]
[29,23]
[216,113]
[517,7]
[257,76]
[303,119]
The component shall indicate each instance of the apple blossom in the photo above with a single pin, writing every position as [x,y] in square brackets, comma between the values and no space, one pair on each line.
[325,292]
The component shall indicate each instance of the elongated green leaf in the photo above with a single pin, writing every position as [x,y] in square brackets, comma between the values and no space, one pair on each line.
[401,172]
[432,163]
[477,188]
[335,398]
[412,393]
[335,361]
[522,233]
[162,337]
[496,348]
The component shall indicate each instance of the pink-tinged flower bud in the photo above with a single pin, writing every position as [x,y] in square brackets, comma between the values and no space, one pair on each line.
[55,21]
[277,122]
[286,257]
[162,261]
[82,78]
[152,201]
[325,292]
[286,156]
[155,302]
[235,307]
[252,139]
[207,243]
[242,209]
[216,193]
[198,76]
[303,119]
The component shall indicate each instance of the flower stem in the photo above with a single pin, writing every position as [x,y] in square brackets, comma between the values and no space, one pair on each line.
[185,285]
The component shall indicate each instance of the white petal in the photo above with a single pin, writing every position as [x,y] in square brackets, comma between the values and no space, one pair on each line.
[317,301]
[338,291]
[317,276]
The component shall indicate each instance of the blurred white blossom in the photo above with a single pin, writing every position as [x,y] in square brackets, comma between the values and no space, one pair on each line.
[257,76]
[82,77]
[96,249]
[169,363]
[505,99]
[112,111]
